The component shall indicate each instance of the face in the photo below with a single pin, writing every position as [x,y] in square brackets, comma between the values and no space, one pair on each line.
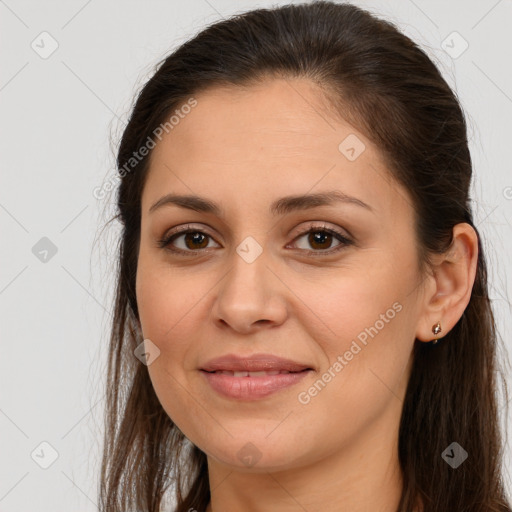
[331,285]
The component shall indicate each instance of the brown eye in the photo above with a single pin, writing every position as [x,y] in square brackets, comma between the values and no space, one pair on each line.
[321,239]
[189,241]
[195,240]
[186,240]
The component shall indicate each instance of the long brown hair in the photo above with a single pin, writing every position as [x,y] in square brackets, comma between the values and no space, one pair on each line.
[382,83]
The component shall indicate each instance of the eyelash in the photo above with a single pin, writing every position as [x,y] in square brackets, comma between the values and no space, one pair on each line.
[165,243]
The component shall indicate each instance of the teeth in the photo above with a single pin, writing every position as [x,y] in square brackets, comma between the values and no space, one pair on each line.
[251,374]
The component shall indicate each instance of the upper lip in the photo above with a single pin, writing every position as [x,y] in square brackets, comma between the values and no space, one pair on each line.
[253,363]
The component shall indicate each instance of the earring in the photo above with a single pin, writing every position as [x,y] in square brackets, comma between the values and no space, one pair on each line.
[436,329]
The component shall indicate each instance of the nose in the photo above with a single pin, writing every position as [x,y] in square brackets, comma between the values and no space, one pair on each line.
[250,297]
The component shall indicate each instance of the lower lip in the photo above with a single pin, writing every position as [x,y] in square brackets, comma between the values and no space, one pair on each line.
[252,388]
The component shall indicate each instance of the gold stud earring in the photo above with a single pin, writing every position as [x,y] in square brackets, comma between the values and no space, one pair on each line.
[436,329]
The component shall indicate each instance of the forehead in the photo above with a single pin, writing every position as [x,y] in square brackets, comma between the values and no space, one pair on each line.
[288,113]
[278,135]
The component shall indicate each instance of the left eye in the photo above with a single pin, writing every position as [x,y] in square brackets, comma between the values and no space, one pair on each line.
[320,238]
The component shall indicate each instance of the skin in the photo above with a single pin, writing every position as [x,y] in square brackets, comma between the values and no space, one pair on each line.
[243,149]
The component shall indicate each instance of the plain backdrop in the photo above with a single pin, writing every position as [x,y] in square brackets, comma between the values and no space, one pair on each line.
[68,74]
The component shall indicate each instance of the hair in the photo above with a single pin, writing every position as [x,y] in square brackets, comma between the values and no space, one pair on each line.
[382,83]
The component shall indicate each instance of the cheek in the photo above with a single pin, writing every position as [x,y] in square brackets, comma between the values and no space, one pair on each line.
[366,334]
[358,305]
[365,369]
[173,316]
[167,299]
[166,310]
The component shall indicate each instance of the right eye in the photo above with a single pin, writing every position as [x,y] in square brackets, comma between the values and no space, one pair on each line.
[193,239]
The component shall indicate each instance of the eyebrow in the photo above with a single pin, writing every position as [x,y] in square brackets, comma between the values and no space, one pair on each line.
[281,206]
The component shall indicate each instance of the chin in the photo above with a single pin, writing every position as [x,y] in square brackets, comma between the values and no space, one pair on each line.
[252,457]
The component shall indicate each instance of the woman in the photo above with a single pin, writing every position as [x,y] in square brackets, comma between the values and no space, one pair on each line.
[302,319]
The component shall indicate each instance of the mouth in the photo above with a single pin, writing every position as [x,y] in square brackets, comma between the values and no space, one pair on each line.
[261,373]
[252,385]
[254,364]
[254,376]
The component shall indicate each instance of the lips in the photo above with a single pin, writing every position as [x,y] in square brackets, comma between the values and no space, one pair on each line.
[243,373]
[238,366]
[254,377]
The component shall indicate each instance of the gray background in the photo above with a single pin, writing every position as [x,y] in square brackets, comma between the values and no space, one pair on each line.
[61,115]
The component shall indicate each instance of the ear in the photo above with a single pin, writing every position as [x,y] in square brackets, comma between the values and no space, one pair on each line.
[448,290]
